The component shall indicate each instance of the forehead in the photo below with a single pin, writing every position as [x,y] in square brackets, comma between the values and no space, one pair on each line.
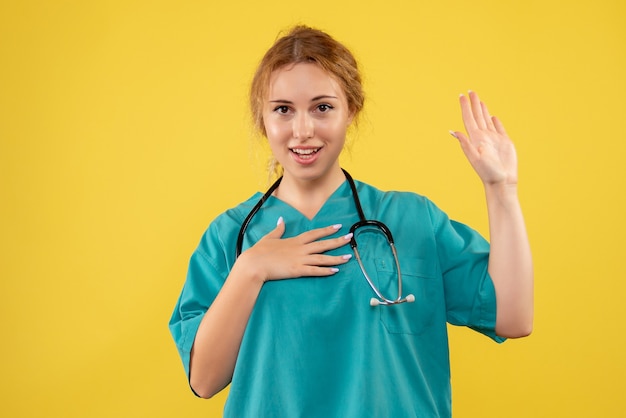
[303,79]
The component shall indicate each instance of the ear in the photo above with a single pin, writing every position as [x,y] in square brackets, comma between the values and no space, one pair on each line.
[260,126]
[351,117]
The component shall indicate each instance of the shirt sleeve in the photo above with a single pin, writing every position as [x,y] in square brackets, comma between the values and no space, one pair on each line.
[464,257]
[208,269]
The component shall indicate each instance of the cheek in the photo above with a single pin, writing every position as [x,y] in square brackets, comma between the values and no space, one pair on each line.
[274,131]
[336,129]
[268,125]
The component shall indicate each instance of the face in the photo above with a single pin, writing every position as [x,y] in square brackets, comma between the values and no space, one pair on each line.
[306,117]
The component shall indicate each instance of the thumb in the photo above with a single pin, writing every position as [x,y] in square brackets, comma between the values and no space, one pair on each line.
[279,230]
[466,145]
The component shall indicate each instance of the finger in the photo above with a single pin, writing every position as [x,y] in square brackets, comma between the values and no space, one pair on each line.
[498,126]
[321,246]
[316,234]
[487,116]
[321,260]
[477,110]
[323,265]
[466,114]
[468,148]
[315,271]
[279,230]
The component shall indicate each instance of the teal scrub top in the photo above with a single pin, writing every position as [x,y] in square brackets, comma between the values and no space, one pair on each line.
[314,347]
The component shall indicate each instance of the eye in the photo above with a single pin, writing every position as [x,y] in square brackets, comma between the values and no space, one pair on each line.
[323,108]
[283,110]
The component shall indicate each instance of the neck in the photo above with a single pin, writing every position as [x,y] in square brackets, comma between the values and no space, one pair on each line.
[308,196]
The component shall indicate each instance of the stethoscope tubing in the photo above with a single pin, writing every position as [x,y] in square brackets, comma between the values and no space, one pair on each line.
[363,222]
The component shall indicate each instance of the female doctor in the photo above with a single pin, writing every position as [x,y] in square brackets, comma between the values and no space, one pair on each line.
[297,309]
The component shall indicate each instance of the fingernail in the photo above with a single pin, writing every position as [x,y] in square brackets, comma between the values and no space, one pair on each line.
[337,226]
[348,236]
[453,134]
[334,269]
[347,256]
[280,221]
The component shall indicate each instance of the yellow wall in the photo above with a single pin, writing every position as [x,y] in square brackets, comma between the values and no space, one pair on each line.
[123,132]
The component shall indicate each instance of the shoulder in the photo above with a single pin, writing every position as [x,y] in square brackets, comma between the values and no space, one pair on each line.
[402,203]
[223,230]
[397,197]
[237,214]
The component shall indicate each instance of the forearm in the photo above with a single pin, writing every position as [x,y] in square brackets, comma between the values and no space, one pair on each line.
[216,346]
[510,262]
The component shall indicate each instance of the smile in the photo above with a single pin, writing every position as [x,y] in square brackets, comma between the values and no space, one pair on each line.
[305,152]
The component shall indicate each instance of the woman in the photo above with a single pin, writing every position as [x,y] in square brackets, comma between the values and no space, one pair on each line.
[287,322]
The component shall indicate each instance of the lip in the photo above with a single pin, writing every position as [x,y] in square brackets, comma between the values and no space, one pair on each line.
[305,155]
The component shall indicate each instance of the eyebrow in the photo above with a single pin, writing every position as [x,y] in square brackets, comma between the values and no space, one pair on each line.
[316,98]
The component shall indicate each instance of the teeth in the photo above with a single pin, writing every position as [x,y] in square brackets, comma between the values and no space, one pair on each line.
[307,151]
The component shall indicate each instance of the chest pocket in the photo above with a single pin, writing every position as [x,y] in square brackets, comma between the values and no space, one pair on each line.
[418,279]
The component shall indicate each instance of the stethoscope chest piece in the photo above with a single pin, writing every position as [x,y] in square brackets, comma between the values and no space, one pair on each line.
[380,299]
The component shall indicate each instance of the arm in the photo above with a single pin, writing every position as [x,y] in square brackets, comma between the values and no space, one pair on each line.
[492,155]
[216,345]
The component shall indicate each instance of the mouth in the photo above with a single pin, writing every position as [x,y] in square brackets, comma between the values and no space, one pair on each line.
[304,153]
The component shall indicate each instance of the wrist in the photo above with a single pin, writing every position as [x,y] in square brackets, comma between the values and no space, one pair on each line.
[502,192]
[248,271]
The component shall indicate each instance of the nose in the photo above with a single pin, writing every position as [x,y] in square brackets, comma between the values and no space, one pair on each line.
[303,126]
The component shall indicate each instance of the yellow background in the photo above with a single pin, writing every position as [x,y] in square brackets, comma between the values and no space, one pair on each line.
[124,132]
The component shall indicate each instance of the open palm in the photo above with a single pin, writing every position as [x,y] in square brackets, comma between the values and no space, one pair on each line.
[486,145]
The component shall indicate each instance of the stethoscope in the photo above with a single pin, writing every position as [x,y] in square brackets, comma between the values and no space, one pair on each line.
[380,299]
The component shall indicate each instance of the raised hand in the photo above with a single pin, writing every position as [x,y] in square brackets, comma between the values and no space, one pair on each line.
[492,154]
[275,258]
[486,145]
